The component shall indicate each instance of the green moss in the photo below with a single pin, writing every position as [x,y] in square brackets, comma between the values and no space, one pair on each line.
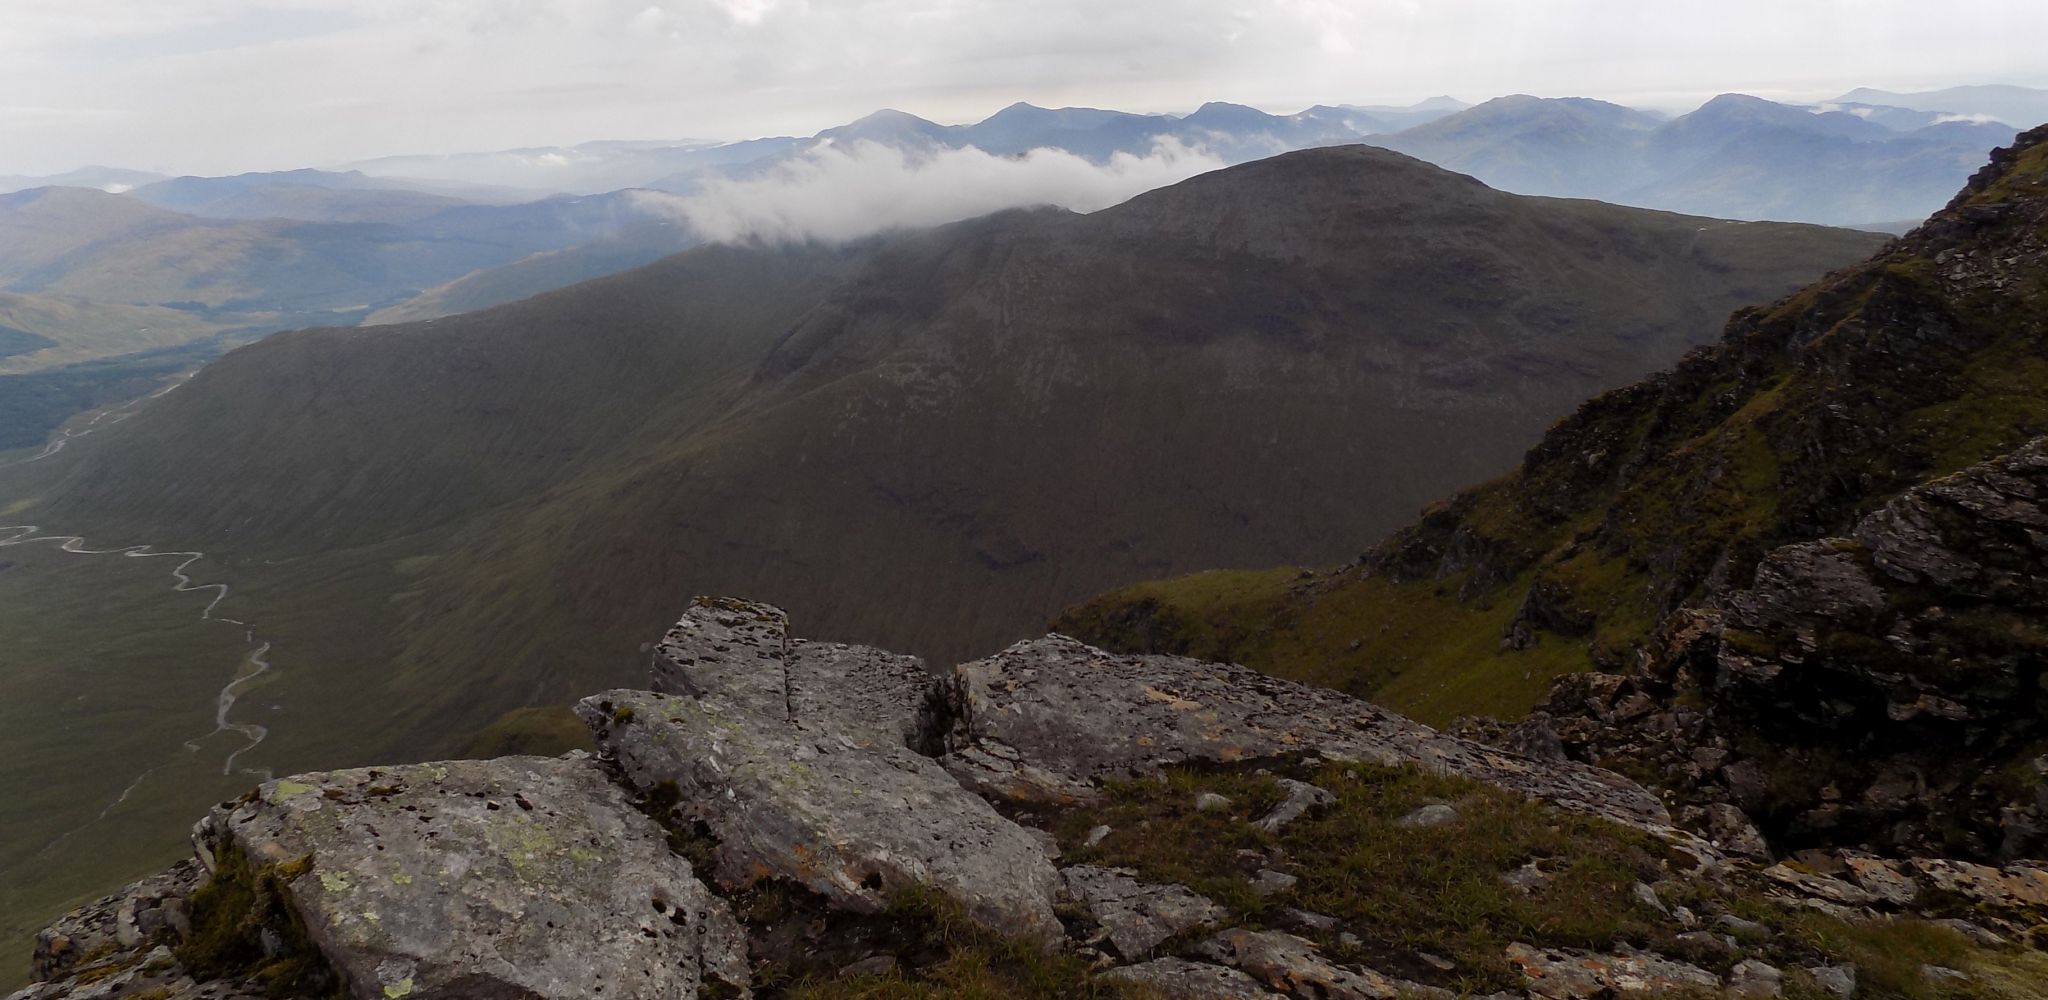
[1399,890]
[236,910]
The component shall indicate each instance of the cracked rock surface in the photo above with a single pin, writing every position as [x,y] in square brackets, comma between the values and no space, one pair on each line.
[1047,718]
[523,876]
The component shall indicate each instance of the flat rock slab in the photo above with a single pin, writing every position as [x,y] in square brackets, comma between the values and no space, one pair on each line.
[1048,718]
[1180,979]
[1575,975]
[1136,917]
[853,823]
[517,877]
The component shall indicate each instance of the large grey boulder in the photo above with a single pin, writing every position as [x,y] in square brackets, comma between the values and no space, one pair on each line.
[795,759]
[1049,718]
[517,877]
[855,824]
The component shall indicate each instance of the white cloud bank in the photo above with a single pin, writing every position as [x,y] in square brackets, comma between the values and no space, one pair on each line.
[840,192]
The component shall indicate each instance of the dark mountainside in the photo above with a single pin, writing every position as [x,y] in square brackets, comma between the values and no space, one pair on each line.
[972,426]
[1805,563]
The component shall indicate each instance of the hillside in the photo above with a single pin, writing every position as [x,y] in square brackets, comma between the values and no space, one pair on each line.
[305,195]
[39,331]
[1346,317]
[1725,539]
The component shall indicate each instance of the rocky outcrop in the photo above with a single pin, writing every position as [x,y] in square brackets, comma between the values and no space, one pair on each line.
[529,877]
[1852,694]
[1048,719]
[1575,975]
[745,829]
[856,825]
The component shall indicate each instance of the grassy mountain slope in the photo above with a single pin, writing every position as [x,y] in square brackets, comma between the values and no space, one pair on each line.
[1929,357]
[1249,367]
[74,330]
[541,272]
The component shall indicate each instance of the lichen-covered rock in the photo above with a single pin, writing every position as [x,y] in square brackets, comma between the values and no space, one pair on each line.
[1047,718]
[516,877]
[1135,916]
[1302,799]
[1577,975]
[152,910]
[1293,965]
[139,974]
[1180,979]
[1882,680]
[853,823]
[740,653]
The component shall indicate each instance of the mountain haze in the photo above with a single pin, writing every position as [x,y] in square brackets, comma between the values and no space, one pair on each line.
[1734,157]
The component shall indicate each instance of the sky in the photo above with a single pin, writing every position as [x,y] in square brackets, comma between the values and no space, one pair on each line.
[222,86]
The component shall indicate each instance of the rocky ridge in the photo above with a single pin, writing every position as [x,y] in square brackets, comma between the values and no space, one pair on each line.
[1793,582]
[788,818]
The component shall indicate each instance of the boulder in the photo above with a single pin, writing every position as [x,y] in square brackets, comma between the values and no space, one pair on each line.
[1577,975]
[853,823]
[516,877]
[1302,798]
[1180,979]
[1135,916]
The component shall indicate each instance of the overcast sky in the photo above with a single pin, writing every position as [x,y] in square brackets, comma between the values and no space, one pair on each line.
[218,86]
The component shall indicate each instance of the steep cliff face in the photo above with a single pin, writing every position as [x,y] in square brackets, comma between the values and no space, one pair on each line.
[1774,507]
[1883,687]
[783,818]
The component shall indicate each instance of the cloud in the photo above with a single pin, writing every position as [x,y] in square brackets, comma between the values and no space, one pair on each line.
[838,192]
[1976,119]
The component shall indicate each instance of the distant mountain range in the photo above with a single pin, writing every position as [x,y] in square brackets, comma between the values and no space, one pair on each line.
[1735,157]
[2024,107]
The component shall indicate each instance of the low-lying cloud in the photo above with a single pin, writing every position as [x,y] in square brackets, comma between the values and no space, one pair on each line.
[840,192]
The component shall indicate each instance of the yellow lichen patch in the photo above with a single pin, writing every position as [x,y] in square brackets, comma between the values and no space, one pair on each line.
[1173,701]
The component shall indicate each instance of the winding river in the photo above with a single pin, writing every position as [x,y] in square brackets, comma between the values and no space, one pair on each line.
[253,664]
